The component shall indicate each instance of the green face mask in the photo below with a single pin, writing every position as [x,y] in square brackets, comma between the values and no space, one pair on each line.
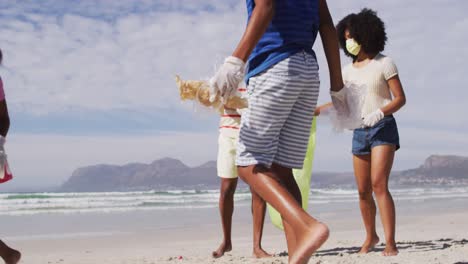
[353,47]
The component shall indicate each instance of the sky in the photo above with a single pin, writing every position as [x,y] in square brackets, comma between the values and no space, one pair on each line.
[90,82]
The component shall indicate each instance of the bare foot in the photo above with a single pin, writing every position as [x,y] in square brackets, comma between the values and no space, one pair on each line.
[308,242]
[13,257]
[223,248]
[390,250]
[368,245]
[260,253]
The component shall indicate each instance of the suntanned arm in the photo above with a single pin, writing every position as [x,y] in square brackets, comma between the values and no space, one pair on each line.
[399,98]
[330,45]
[258,23]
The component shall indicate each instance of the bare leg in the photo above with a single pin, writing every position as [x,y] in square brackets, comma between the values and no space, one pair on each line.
[362,172]
[226,209]
[258,213]
[310,234]
[382,162]
[286,178]
[9,255]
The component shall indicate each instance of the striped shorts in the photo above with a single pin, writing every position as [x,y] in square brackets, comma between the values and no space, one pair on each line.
[276,126]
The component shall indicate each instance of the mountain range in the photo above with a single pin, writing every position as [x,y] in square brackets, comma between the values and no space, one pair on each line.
[169,173]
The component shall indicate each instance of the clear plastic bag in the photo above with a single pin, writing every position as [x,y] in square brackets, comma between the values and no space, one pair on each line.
[198,91]
[349,118]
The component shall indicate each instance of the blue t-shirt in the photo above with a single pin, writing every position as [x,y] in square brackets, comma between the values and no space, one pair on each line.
[294,27]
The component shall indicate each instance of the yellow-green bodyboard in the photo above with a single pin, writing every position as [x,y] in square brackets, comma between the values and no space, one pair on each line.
[302,178]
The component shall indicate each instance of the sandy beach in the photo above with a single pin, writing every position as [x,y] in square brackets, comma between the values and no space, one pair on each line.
[428,231]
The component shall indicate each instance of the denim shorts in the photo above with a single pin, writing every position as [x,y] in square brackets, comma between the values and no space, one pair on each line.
[385,132]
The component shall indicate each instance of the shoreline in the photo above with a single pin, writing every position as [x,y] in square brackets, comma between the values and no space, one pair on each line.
[431,231]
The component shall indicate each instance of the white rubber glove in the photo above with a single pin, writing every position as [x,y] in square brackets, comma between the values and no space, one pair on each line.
[227,79]
[373,118]
[339,102]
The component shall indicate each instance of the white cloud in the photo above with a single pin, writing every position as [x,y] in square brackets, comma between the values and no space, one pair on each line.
[68,61]
[96,55]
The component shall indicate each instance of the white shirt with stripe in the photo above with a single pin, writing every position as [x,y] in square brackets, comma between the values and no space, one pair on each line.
[229,123]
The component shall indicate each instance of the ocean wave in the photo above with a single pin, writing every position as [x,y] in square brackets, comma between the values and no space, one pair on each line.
[40,203]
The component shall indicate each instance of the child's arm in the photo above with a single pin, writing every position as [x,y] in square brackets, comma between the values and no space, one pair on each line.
[330,46]
[320,108]
[399,98]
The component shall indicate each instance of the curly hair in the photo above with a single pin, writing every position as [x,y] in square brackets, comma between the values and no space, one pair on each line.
[366,28]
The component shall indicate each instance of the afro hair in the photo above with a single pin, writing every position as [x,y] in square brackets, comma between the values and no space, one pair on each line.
[366,28]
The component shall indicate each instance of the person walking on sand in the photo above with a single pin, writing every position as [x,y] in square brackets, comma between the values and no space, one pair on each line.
[9,255]
[227,171]
[283,86]
[362,37]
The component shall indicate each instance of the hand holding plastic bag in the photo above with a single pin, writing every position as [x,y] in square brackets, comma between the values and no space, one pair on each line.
[347,105]
[339,102]
[199,92]
[227,79]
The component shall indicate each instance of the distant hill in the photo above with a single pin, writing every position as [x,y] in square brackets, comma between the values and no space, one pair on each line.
[168,173]
[163,173]
[447,170]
